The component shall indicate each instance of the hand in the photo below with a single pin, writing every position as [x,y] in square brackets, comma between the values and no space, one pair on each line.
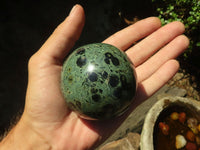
[46,116]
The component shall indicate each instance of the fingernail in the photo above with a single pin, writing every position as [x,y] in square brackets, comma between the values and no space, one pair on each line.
[73,10]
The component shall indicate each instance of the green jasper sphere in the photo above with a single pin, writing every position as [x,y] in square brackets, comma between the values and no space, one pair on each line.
[98,81]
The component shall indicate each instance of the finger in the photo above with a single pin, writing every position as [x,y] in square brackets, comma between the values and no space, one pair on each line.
[65,35]
[126,37]
[157,80]
[147,47]
[170,51]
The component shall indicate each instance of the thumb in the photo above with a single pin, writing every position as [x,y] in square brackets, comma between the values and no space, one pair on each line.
[64,36]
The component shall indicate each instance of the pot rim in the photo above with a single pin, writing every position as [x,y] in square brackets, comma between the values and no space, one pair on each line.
[152,115]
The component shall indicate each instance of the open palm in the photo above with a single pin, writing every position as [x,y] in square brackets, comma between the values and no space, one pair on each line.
[46,111]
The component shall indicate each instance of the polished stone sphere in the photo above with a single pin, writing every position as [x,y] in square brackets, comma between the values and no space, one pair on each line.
[98,81]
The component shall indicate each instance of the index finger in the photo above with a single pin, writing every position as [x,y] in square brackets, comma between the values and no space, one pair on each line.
[128,36]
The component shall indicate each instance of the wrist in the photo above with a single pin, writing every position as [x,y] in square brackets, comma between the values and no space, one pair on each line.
[22,137]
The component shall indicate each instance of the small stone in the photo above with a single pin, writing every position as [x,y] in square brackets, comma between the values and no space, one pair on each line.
[162,95]
[191,89]
[195,130]
[193,125]
[134,139]
[122,144]
[171,83]
[182,117]
[164,128]
[178,76]
[198,140]
[192,122]
[174,116]
[175,91]
[130,142]
[190,136]
[180,141]
[191,146]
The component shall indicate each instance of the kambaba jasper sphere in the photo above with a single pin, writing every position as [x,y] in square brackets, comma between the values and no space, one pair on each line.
[98,81]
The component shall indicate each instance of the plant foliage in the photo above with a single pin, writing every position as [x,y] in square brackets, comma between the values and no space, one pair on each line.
[186,11]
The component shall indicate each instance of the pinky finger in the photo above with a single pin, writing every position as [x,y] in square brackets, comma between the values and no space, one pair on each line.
[149,86]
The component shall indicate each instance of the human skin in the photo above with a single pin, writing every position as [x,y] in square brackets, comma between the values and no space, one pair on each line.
[48,124]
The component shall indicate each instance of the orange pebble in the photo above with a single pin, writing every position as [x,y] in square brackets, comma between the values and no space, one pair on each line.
[198,140]
[174,116]
[164,128]
[190,136]
[194,130]
[182,117]
[191,146]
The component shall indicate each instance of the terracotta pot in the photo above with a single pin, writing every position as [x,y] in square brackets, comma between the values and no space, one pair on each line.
[164,105]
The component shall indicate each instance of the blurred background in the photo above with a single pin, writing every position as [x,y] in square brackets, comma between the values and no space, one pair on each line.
[26,24]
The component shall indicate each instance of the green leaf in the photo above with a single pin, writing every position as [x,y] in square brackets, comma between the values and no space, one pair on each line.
[198,44]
